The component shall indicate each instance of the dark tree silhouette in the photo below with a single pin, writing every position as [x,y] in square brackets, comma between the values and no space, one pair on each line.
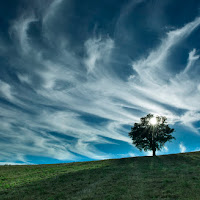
[151,133]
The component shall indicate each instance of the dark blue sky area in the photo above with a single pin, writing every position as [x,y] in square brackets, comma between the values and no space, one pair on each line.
[76,75]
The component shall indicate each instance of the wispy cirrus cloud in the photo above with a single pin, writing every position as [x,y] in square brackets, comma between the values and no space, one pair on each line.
[97,49]
[19,32]
[5,90]
[55,92]
[158,82]
[182,148]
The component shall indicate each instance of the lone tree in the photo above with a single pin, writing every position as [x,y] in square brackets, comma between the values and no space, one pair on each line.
[151,133]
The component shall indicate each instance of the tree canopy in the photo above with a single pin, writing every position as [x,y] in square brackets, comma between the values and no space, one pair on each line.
[151,133]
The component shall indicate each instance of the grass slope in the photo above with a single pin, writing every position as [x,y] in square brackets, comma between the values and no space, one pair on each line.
[164,177]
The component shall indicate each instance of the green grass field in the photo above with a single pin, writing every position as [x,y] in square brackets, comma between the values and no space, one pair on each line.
[164,177]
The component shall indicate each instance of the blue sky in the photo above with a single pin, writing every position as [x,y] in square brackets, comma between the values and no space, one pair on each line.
[76,75]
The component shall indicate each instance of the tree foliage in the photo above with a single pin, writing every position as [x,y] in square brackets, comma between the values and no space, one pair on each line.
[147,136]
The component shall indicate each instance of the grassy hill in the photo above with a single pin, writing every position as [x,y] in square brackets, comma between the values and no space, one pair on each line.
[164,177]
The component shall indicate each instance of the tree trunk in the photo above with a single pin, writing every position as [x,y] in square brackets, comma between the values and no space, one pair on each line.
[154,152]
[153,144]
[154,149]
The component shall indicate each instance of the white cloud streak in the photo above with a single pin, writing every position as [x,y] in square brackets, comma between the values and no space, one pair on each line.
[97,50]
[13,163]
[19,31]
[182,148]
[191,60]
[6,91]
